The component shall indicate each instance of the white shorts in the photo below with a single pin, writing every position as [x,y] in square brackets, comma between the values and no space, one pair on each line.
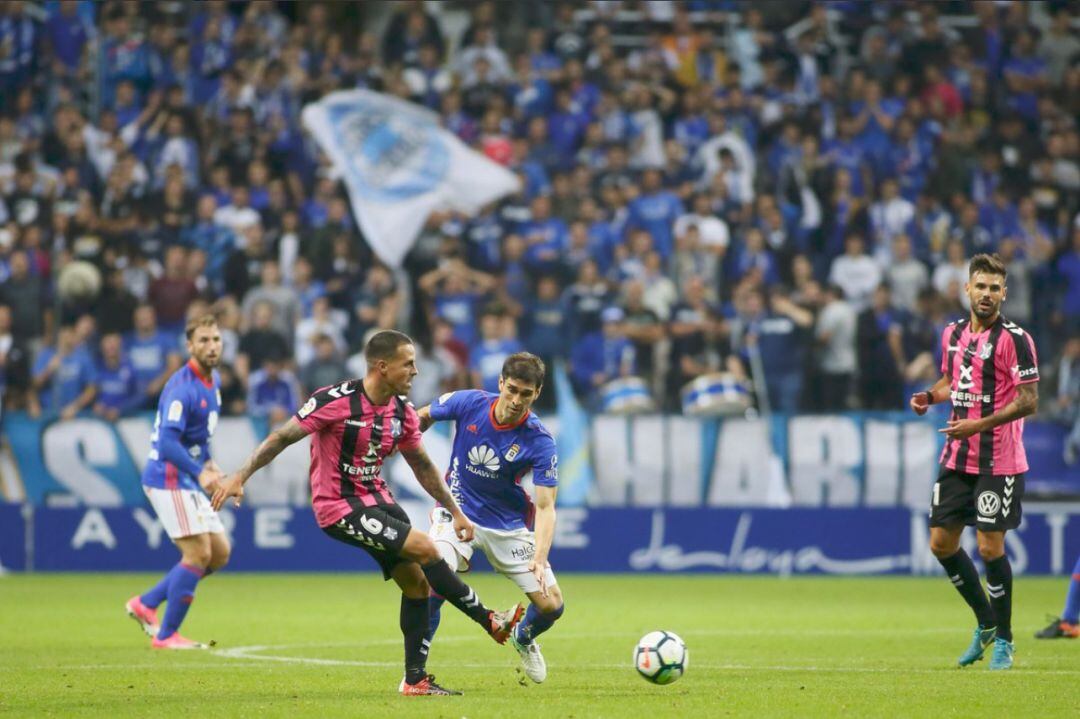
[508,550]
[184,512]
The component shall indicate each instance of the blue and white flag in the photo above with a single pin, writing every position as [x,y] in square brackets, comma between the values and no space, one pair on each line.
[399,166]
[575,466]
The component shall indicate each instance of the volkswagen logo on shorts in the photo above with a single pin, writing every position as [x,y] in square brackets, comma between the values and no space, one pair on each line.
[989,504]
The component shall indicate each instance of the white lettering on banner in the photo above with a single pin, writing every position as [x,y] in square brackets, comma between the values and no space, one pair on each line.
[741,466]
[824,453]
[881,480]
[270,532]
[919,458]
[745,557]
[151,525]
[1057,522]
[922,560]
[93,529]
[283,481]
[1018,556]
[568,534]
[649,463]
[612,452]
[135,434]
[684,461]
[72,449]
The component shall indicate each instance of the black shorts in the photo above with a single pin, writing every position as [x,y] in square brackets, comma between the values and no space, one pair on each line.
[380,531]
[991,503]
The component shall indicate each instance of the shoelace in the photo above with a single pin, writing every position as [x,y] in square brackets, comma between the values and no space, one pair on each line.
[434,686]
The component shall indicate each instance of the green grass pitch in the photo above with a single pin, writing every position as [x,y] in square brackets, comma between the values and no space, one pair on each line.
[329,646]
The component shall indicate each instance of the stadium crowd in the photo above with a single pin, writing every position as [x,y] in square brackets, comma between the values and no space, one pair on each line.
[783,193]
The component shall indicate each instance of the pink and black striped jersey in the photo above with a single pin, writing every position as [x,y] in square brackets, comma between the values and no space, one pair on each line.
[351,437]
[984,370]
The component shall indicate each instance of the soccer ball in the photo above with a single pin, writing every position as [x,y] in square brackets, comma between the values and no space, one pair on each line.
[661,657]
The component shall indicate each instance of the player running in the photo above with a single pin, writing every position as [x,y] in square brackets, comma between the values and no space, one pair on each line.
[498,440]
[356,426]
[178,468]
[990,373]
[1068,624]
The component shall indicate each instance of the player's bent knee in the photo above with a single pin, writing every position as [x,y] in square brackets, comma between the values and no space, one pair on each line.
[220,558]
[943,544]
[420,549]
[199,557]
[552,606]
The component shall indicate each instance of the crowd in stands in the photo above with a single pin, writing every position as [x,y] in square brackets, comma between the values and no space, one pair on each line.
[784,193]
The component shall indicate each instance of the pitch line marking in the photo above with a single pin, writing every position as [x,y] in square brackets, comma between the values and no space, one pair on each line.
[251,653]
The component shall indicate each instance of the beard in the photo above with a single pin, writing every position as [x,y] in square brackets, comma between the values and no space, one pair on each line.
[984,312]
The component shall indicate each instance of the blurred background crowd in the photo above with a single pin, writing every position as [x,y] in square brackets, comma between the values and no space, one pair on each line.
[782,195]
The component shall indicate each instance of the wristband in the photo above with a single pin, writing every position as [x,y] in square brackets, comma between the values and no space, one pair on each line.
[929,396]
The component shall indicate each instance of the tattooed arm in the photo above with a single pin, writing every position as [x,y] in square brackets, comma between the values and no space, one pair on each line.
[426,420]
[1025,403]
[428,475]
[272,446]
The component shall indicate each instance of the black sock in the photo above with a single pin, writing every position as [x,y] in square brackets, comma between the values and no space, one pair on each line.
[448,586]
[999,587]
[962,574]
[414,625]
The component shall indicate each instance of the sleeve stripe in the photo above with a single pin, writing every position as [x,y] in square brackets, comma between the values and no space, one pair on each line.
[1023,350]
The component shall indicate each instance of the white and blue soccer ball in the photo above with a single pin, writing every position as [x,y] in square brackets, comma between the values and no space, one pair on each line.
[661,657]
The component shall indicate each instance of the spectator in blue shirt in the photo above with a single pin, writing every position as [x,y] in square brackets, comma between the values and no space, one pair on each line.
[216,241]
[1000,216]
[545,236]
[600,357]
[497,342]
[273,391]
[1068,266]
[778,333]
[117,389]
[153,354]
[656,210]
[456,290]
[566,128]
[67,32]
[64,375]
[545,321]
[1025,75]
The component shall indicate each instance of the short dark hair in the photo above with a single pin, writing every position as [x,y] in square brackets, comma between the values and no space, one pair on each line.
[384,345]
[524,367]
[196,322]
[989,264]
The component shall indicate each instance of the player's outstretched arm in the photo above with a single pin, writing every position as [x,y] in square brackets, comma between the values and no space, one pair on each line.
[427,474]
[271,447]
[426,420]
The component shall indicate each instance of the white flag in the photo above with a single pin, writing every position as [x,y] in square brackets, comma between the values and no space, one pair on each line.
[399,166]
